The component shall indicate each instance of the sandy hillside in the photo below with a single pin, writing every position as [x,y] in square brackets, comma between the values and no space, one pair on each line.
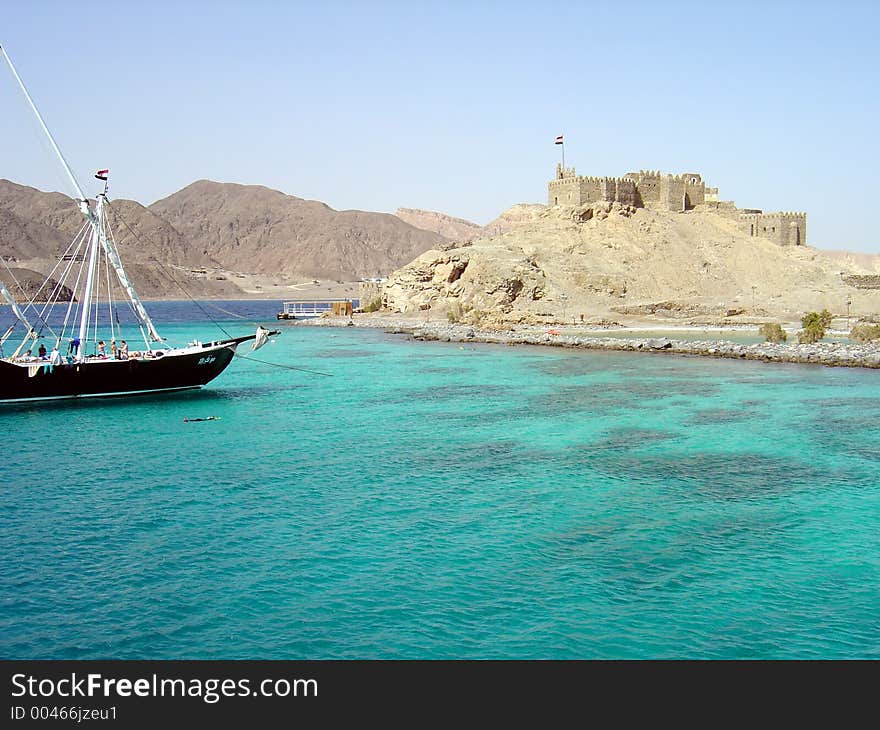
[454,229]
[616,263]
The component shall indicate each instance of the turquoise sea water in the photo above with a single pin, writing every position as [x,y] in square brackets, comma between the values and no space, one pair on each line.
[433,500]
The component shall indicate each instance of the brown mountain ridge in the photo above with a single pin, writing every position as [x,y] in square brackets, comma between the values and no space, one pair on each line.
[255,229]
[215,227]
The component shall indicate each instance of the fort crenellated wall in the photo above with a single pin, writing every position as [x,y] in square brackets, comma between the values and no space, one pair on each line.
[784,228]
[648,184]
[653,189]
[571,189]
[643,188]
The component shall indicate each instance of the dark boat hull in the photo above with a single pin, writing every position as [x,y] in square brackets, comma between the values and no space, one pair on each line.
[114,378]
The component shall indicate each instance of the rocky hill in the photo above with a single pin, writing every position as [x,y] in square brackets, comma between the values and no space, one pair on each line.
[24,239]
[30,286]
[463,231]
[533,263]
[866,261]
[454,229]
[512,218]
[250,228]
[36,228]
[206,234]
[614,263]
[50,210]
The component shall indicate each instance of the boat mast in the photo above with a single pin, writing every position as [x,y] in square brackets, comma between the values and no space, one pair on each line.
[99,235]
[90,281]
[115,261]
[83,201]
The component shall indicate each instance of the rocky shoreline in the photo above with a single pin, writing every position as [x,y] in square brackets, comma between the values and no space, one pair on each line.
[830,354]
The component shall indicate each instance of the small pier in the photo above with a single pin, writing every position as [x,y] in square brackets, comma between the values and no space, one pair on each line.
[309,308]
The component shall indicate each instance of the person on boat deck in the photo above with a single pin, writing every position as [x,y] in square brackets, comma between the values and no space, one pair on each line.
[42,351]
[123,350]
[73,348]
[55,357]
[113,351]
[27,356]
[102,349]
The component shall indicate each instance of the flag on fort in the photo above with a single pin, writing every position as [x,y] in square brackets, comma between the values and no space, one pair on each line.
[102,174]
[559,139]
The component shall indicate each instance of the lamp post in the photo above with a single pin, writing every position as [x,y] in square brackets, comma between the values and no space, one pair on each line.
[848,304]
[754,289]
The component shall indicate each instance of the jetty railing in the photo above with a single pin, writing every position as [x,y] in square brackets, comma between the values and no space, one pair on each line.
[301,308]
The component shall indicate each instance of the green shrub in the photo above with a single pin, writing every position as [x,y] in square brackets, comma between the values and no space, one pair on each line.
[374,306]
[475,317]
[455,312]
[814,325]
[865,333]
[773,332]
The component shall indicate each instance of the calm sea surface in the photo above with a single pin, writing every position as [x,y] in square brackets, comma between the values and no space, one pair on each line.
[431,500]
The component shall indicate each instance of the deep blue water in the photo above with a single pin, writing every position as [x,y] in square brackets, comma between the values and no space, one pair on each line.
[434,500]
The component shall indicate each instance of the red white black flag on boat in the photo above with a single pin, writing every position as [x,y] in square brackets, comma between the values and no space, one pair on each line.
[559,140]
[102,174]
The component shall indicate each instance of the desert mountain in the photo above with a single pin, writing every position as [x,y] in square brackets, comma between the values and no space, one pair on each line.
[52,210]
[23,238]
[26,285]
[866,261]
[34,225]
[36,228]
[207,231]
[461,230]
[532,263]
[250,228]
[611,262]
[512,218]
[454,229]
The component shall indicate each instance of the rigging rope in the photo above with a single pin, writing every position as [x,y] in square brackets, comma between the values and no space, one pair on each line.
[27,306]
[75,287]
[59,285]
[225,311]
[112,240]
[166,271]
[97,301]
[285,367]
[109,298]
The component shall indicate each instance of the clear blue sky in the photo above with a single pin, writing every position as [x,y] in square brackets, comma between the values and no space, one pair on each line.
[454,106]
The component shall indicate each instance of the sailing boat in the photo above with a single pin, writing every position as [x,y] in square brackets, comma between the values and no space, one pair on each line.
[87,367]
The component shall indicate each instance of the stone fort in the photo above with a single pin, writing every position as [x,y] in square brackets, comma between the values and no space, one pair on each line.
[652,189]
